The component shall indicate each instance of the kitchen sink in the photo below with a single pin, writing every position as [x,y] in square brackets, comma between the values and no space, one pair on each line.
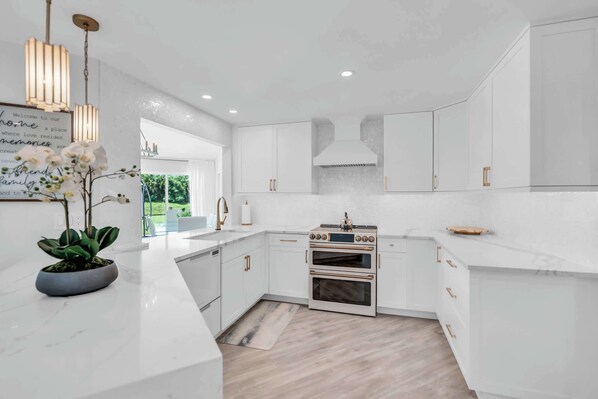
[220,235]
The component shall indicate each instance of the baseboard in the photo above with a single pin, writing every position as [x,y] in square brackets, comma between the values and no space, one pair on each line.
[408,313]
[289,299]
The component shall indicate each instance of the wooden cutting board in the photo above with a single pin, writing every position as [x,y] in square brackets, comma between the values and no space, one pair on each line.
[467,230]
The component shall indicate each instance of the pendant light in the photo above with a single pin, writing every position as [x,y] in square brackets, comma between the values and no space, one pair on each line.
[47,82]
[86,117]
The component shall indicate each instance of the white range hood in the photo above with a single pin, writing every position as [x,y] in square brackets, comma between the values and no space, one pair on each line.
[347,148]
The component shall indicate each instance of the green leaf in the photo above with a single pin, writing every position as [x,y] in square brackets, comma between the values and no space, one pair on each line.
[71,252]
[90,245]
[47,245]
[74,237]
[107,235]
[94,233]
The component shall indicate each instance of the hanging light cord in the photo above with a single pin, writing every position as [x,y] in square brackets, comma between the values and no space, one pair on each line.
[85,70]
[48,6]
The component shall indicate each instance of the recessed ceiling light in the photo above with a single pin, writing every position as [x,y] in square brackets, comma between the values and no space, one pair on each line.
[346,74]
[206,97]
[233,111]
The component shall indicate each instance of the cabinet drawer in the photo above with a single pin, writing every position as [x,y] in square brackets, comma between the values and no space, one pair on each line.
[457,334]
[392,245]
[288,240]
[456,287]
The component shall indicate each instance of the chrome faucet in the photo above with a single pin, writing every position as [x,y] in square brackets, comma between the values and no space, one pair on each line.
[219,222]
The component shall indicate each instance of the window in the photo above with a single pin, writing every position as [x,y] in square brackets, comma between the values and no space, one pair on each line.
[165,199]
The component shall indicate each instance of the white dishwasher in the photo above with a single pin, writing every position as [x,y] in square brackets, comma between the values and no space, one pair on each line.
[202,275]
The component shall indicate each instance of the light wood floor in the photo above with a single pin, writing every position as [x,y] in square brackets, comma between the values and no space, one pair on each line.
[332,355]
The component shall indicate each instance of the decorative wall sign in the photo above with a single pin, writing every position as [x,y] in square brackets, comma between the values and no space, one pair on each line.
[21,125]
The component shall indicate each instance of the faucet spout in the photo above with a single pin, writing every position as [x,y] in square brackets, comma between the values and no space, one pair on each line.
[220,222]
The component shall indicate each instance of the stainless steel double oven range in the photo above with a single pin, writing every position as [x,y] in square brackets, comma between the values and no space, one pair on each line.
[342,269]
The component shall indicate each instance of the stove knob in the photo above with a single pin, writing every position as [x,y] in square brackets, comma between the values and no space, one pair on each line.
[371,238]
[324,237]
[318,237]
[364,238]
[357,238]
[312,236]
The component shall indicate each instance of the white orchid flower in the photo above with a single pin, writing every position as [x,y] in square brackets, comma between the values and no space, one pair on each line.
[35,157]
[70,190]
[87,157]
[101,161]
[54,161]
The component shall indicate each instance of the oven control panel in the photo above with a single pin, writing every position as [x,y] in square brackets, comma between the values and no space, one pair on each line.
[342,237]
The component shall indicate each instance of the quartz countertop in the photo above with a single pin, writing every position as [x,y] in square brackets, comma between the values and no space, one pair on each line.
[144,326]
[147,325]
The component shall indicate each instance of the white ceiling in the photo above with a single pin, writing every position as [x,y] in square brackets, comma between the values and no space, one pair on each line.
[175,144]
[279,60]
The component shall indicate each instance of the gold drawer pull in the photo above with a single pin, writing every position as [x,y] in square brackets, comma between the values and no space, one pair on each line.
[306,256]
[486,176]
[450,330]
[438,254]
[288,240]
[451,263]
[247,263]
[450,292]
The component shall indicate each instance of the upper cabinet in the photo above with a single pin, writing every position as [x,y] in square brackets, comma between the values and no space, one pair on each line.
[564,123]
[408,152]
[275,158]
[533,122]
[450,148]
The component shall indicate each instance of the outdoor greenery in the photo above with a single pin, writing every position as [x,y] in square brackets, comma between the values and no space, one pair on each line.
[178,188]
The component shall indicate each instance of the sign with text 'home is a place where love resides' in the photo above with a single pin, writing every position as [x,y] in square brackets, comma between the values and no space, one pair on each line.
[20,126]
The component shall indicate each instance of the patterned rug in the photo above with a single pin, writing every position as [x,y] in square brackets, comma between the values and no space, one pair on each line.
[261,327]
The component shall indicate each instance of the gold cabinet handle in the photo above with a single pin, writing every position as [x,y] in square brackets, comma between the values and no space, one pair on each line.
[306,256]
[450,330]
[379,263]
[438,254]
[246,262]
[274,184]
[450,292]
[270,184]
[385,183]
[486,176]
[249,258]
[435,182]
[451,263]
[288,240]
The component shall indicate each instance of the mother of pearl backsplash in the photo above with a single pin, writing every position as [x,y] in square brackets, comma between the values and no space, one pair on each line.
[563,224]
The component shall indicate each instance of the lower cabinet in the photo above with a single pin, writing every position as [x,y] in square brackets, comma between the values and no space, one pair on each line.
[243,278]
[289,268]
[407,274]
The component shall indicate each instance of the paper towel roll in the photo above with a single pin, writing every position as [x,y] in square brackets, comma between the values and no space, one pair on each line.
[246,214]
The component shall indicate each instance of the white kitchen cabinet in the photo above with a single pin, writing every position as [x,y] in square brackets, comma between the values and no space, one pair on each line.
[420,277]
[294,157]
[255,277]
[255,158]
[407,275]
[276,158]
[243,277]
[391,280]
[479,131]
[511,118]
[450,148]
[408,152]
[289,268]
[564,102]
[233,303]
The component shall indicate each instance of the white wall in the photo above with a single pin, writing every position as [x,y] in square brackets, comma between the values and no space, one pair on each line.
[564,224]
[123,101]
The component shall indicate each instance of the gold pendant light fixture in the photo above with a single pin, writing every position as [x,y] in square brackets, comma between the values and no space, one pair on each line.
[86,117]
[47,80]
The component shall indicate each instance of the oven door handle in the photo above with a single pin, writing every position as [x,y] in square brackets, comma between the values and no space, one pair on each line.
[347,247]
[366,277]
